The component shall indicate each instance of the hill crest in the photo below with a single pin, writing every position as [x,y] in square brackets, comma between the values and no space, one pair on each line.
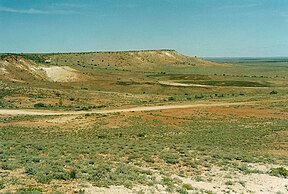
[69,67]
[143,59]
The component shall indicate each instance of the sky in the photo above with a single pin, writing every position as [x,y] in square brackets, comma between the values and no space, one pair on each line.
[205,28]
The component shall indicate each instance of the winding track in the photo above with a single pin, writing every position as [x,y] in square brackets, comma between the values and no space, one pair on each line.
[134,109]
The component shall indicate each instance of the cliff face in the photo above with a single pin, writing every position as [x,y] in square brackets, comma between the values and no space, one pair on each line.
[20,69]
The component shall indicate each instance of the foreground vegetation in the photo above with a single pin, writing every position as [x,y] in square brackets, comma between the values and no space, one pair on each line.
[130,153]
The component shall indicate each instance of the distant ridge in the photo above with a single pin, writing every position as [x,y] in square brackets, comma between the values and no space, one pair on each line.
[86,52]
[73,67]
[124,59]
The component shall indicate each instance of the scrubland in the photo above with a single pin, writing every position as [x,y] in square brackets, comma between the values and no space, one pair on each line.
[230,148]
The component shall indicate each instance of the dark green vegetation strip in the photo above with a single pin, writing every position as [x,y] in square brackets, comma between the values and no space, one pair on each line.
[34,57]
[228,83]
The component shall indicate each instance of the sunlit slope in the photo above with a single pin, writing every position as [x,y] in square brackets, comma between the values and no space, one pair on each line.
[128,59]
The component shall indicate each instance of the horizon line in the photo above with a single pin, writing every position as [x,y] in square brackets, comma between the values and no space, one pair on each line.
[140,50]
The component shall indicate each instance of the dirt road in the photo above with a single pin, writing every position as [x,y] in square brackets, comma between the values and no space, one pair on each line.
[135,109]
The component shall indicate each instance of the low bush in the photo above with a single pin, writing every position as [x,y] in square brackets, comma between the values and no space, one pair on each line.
[39,105]
[30,171]
[2,185]
[280,172]
[29,190]
[273,92]
[45,179]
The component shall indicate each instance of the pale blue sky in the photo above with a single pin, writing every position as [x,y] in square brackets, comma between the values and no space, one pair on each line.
[223,28]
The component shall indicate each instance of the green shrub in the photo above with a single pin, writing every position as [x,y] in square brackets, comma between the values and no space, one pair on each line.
[280,172]
[81,191]
[2,185]
[182,191]
[199,96]
[187,186]
[61,176]
[101,172]
[148,159]
[167,181]
[170,158]
[171,98]
[72,174]
[229,183]
[39,105]
[45,179]
[29,190]
[30,171]
[8,167]
[273,92]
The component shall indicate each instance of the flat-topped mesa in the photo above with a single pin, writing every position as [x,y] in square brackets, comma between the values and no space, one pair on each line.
[142,59]
[68,67]
[131,51]
[122,59]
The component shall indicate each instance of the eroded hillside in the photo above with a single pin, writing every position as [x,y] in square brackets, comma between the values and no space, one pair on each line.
[20,69]
[76,67]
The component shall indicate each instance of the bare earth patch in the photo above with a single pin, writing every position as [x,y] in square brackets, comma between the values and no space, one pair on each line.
[61,74]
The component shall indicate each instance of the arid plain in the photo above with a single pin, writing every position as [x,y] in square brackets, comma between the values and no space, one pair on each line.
[151,121]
